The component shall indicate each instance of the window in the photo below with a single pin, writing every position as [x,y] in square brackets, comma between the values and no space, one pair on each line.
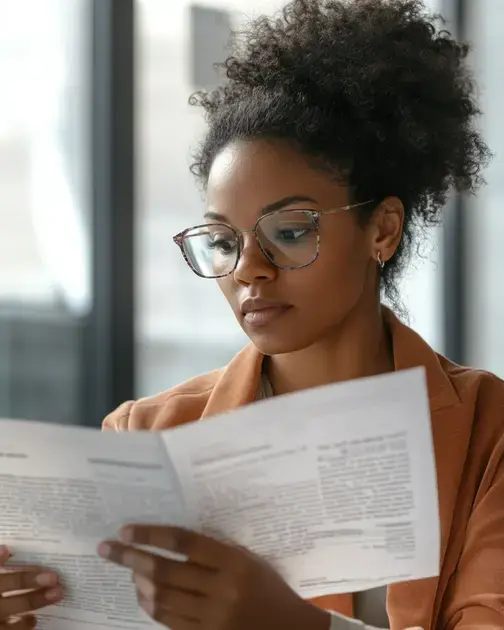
[485,263]
[44,236]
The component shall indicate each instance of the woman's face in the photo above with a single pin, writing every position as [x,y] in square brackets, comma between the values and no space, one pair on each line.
[303,306]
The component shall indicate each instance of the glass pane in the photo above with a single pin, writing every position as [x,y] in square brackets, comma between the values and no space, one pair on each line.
[422,285]
[44,249]
[175,341]
[421,290]
[486,254]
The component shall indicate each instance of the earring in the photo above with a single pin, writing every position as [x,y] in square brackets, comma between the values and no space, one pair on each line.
[379,260]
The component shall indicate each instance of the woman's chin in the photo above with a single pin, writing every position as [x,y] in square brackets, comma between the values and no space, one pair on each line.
[271,344]
[276,335]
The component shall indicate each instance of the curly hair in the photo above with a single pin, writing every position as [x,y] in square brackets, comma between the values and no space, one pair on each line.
[375,90]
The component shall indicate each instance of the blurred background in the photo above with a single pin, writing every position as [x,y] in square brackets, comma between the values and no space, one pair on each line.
[96,303]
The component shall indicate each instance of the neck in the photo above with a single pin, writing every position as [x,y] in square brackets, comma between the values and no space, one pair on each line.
[359,347]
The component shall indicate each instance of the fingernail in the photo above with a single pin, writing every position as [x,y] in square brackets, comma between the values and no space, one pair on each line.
[104,550]
[46,579]
[54,594]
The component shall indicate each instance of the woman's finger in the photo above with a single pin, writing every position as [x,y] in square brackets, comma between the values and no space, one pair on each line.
[20,604]
[181,603]
[167,617]
[197,547]
[28,622]
[26,579]
[183,575]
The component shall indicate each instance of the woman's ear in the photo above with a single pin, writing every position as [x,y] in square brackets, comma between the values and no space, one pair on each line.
[386,229]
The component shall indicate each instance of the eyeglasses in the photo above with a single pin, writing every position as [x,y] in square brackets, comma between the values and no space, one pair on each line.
[290,239]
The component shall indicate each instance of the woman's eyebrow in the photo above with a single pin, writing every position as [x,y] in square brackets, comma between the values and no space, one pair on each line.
[286,201]
[215,216]
[270,207]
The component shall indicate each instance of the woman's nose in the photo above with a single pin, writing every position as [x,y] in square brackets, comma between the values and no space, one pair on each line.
[253,265]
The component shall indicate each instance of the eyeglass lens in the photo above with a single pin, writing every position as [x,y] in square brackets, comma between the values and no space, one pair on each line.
[288,239]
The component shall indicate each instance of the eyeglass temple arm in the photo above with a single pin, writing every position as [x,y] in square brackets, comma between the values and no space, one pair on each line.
[344,208]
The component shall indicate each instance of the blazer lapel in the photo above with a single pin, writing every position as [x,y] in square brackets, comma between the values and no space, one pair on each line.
[238,384]
[413,603]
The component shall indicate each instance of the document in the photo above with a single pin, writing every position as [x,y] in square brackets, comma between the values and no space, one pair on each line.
[334,486]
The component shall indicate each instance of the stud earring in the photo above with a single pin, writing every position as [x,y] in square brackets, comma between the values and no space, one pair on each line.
[379,260]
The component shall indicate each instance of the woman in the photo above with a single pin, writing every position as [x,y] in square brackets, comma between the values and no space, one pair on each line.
[335,138]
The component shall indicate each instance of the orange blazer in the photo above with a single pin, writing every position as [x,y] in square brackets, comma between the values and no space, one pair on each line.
[467,411]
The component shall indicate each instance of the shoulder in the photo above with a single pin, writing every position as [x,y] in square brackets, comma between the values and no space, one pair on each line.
[178,405]
[207,395]
[481,401]
[476,387]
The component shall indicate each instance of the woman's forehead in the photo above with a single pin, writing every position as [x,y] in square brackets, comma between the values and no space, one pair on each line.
[259,173]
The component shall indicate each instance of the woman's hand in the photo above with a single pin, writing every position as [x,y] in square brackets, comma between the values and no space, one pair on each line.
[220,587]
[41,589]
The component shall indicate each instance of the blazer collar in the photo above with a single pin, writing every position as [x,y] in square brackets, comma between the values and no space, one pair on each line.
[237,386]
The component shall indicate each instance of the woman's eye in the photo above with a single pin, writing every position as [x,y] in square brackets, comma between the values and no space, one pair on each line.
[225,246]
[292,234]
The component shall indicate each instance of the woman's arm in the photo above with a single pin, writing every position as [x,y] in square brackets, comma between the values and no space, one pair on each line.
[474,598]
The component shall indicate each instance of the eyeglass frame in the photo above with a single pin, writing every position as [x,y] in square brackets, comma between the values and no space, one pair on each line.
[178,239]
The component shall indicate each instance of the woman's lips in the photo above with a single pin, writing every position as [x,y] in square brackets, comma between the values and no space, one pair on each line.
[265,316]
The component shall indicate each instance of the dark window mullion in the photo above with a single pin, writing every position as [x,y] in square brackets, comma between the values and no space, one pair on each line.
[109,356]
